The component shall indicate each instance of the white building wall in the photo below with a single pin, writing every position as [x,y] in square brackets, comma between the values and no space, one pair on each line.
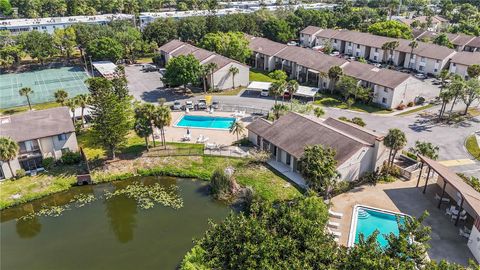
[6,170]
[223,78]
[383,96]
[407,92]
[474,243]
[458,69]
[307,40]
[359,163]
[376,55]
[425,65]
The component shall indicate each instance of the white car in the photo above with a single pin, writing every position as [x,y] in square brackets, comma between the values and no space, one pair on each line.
[420,76]
[189,105]
[292,43]
[264,93]
[335,53]
[177,106]
[377,65]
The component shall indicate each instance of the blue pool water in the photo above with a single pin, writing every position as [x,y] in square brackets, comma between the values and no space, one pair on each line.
[369,220]
[197,121]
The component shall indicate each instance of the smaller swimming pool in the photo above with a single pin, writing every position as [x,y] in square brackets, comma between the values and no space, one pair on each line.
[211,122]
[366,220]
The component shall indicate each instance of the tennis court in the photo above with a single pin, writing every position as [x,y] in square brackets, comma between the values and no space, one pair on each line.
[44,83]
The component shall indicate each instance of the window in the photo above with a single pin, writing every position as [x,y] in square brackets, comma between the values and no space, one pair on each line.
[375,58]
[62,137]
[385,90]
[335,41]
[453,64]
[357,54]
[358,46]
[384,100]
[435,70]
[2,175]
[376,49]
[44,27]
[349,44]
[422,59]
[420,68]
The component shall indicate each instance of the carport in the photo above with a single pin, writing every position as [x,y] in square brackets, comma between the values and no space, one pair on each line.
[306,92]
[259,86]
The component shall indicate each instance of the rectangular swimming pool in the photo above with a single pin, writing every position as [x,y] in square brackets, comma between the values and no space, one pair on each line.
[366,220]
[210,122]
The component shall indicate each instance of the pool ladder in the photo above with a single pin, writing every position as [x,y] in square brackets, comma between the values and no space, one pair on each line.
[362,214]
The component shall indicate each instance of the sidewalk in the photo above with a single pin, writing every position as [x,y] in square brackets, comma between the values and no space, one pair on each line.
[285,170]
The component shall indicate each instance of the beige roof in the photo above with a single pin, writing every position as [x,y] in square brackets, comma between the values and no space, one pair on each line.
[36,124]
[474,42]
[310,30]
[185,49]
[265,46]
[361,38]
[466,58]
[310,59]
[428,50]
[362,133]
[472,197]
[380,76]
[293,132]
[327,33]
[171,45]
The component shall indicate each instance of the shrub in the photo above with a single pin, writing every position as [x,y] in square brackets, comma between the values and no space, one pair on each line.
[20,173]
[410,155]
[420,100]
[359,121]
[71,158]
[220,184]
[47,163]
[410,104]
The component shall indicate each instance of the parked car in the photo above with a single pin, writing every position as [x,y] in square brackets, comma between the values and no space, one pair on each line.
[287,95]
[176,106]
[201,105]
[377,65]
[404,70]
[420,76]
[264,93]
[335,53]
[351,58]
[188,105]
[149,67]
[292,43]
[215,105]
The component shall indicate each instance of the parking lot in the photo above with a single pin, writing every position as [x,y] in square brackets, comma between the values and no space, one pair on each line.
[148,87]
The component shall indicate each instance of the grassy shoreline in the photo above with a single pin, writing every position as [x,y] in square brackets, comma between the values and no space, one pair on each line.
[265,182]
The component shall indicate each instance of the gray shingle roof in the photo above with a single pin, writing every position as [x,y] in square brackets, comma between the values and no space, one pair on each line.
[466,58]
[310,59]
[474,42]
[293,131]
[381,76]
[310,30]
[265,46]
[171,45]
[36,124]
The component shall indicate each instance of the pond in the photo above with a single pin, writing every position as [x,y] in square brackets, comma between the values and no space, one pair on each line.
[112,233]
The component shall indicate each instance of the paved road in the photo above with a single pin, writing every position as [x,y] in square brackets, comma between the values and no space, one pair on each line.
[450,138]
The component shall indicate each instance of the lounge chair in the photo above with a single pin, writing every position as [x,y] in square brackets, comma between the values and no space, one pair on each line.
[463,233]
[202,139]
[211,146]
[237,150]
[450,210]
[336,234]
[335,214]
[437,197]
[186,137]
[463,215]
[333,224]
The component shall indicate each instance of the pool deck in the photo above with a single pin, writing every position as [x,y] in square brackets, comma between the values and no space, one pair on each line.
[404,197]
[219,137]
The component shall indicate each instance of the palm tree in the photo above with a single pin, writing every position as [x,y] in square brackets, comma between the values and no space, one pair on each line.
[413,45]
[395,140]
[143,127]
[72,104]
[61,96]
[211,68]
[26,92]
[292,88]
[237,128]
[83,100]
[204,72]
[456,89]
[390,46]
[277,88]
[444,76]
[234,71]
[426,149]
[319,112]
[8,151]
[334,74]
[162,118]
[147,111]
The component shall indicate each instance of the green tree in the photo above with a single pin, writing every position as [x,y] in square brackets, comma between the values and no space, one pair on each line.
[162,118]
[443,40]
[72,104]
[26,92]
[425,149]
[65,41]
[278,30]
[395,140]
[318,112]
[413,45]
[277,88]
[446,97]
[61,96]
[319,167]
[83,100]
[105,49]
[237,128]
[111,114]
[473,71]
[182,70]
[5,7]
[192,29]
[471,93]
[393,29]
[131,40]
[390,46]
[278,75]
[211,67]
[233,71]
[8,151]
[456,89]
[334,74]
[37,44]
[347,86]
[231,44]
[161,31]
[147,111]
[143,127]
[292,88]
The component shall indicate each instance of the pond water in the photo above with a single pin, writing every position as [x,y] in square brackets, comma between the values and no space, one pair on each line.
[108,234]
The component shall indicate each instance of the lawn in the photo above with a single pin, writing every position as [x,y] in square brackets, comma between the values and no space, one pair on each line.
[40,106]
[259,76]
[328,100]
[472,146]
